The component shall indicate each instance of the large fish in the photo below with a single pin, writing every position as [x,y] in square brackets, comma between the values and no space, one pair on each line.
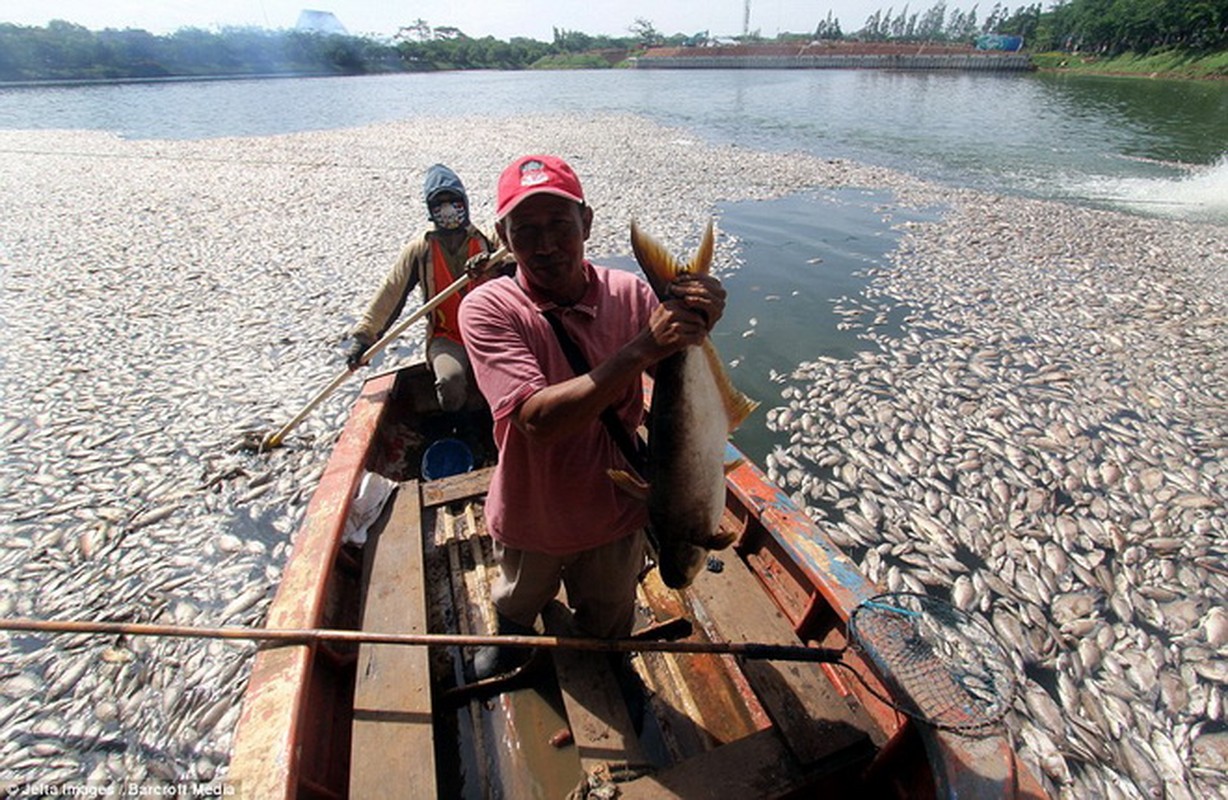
[694,409]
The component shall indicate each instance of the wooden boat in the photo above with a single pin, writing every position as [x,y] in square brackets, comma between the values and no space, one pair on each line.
[378,720]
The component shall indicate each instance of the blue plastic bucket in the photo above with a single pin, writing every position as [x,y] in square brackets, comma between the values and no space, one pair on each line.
[446,457]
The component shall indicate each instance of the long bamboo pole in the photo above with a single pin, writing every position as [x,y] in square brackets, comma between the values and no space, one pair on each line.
[772,652]
[275,439]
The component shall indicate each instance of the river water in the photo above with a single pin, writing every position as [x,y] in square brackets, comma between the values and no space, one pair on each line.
[1149,146]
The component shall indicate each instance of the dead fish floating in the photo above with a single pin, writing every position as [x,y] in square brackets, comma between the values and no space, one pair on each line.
[694,409]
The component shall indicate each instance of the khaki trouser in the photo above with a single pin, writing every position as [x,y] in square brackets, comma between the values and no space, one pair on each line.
[452,374]
[600,584]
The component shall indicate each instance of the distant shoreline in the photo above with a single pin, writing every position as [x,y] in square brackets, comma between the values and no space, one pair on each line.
[1161,66]
[1169,65]
[1158,76]
[78,82]
[68,82]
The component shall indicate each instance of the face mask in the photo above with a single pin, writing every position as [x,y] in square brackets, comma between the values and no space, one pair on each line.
[449,216]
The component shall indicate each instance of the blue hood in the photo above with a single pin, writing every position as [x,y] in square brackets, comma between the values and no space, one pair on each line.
[439,179]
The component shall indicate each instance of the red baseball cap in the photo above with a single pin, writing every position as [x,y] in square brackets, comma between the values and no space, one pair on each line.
[530,175]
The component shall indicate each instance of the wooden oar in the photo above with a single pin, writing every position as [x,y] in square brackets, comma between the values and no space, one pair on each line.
[275,439]
[315,635]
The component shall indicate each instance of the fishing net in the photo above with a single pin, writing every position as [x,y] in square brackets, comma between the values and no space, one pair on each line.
[940,665]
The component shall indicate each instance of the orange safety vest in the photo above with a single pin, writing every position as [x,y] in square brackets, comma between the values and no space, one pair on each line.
[445,319]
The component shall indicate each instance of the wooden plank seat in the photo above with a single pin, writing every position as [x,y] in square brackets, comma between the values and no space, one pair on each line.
[393,740]
[810,715]
[456,487]
[756,766]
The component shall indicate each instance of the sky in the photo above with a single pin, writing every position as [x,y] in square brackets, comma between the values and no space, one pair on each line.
[535,19]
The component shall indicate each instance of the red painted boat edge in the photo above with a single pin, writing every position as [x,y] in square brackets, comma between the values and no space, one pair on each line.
[265,762]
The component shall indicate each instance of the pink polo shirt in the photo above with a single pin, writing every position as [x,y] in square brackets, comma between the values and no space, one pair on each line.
[554,498]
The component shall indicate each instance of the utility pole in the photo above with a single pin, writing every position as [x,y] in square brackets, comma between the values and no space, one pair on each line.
[745,18]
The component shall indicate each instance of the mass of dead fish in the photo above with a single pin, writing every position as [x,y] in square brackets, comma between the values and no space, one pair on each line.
[1046,446]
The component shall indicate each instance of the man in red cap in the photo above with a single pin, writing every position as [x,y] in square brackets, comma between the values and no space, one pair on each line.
[555,515]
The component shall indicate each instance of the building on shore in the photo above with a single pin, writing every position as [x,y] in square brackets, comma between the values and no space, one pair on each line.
[319,22]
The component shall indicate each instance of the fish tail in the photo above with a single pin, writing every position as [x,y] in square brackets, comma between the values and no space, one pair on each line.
[737,405]
[701,264]
[660,267]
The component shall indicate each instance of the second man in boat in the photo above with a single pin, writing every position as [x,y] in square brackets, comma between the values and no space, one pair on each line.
[434,260]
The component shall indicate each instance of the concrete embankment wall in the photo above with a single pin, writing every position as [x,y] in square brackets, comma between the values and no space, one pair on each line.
[989,62]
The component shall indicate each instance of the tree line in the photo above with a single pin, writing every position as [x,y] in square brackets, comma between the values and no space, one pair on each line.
[66,51]
[1108,27]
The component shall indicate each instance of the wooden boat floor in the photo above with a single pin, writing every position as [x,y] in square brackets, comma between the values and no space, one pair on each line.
[752,728]
[601,726]
[392,696]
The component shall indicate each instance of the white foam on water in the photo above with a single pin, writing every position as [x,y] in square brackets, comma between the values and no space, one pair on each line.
[1201,194]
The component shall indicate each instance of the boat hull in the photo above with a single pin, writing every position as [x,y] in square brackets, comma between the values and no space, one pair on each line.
[719,724]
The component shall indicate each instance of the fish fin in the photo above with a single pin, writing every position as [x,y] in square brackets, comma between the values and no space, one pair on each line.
[660,268]
[730,466]
[629,483]
[737,405]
